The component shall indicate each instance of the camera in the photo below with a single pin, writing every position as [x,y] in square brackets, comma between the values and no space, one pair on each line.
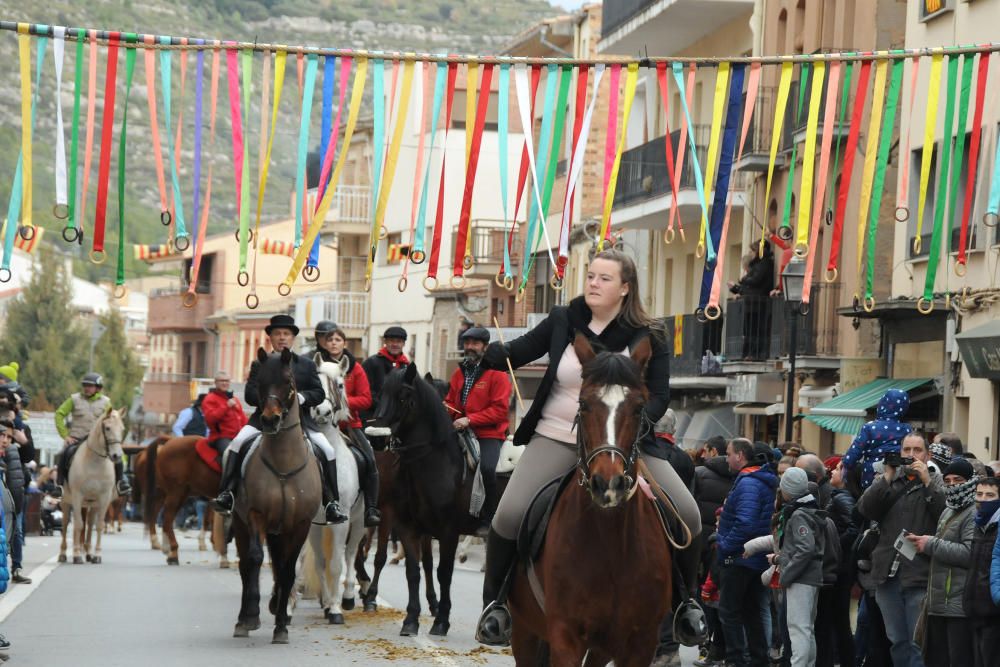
[896,460]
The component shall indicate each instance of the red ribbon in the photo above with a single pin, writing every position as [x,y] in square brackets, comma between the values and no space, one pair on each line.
[661,75]
[977,129]
[107,127]
[432,263]
[486,79]
[860,93]
[581,108]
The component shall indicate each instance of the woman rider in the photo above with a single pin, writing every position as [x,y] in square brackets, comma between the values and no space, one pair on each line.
[331,343]
[611,316]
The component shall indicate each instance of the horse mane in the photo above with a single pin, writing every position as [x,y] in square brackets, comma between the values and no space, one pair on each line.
[428,403]
[610,368]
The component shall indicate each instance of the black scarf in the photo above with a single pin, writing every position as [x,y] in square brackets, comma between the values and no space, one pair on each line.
[615,337]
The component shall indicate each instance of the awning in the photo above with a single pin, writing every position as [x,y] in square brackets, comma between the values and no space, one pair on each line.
[759,409]
[980,348]
[848,412]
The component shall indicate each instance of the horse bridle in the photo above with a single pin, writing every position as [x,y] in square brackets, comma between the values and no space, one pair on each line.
[281,418]
[107,444]
[335,404]
[630,458]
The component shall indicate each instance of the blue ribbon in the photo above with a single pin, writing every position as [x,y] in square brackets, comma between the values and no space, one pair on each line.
[722,182]
[699,185]
[199,75]
[502,133]
[329,72]
[994,203]
[300,168]
[165,67]
[439,85]
[544,139]
[16,189]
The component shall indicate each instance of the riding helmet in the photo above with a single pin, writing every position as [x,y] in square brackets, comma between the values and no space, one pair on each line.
[93,378]
[325,327]
[476,333]
[690,627]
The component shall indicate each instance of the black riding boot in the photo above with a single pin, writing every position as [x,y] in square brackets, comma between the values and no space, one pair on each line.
[62,467]
[495,623]
[369,485]
[223,504]
[331,492]
[121,481]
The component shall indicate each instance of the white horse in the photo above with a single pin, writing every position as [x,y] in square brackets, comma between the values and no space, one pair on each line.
[91,484]
[331,548]
[510,454]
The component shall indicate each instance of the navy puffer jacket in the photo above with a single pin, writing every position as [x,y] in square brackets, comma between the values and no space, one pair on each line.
[746,515]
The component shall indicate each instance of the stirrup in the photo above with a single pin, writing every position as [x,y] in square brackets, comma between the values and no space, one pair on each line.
[334,514]
[224,502]
[498,613]
[372,517]
[123,488]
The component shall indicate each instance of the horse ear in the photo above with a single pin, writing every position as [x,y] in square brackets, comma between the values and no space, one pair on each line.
[121,412]
[318,359]
[261,355]
[428,378]
[642,354]
[286,356]
[411,374]
[345,364]
[107,410]
[584,351]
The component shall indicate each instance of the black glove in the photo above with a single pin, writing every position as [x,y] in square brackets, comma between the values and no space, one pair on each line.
[496,356]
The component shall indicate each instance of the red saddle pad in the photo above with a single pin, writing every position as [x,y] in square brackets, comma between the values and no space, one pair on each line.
[208,454]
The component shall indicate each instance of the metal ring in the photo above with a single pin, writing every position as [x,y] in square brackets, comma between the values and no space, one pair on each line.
[902,213]
[869,304]
[699,314]
[458,282]
[402,283]
[468,262]
[310,274]
[829,216]
[681,230]
[712,312]
[119,291]
[519,297]
[382,233]
[98,256]
[961,269]
[27,232]
[508,283]
[432,287]
[856,303]
[249,235]
[801,250]
[785,233]
[284,289]
[804,307]
[668,235]
[60,211]
[991,219]
[189,299]
[556,283]
[417,256]
[921,309]
[182,246]
[699,251]
[499,278]
[831,275]
[255,303]
[71,234]
[242,278]
[917,245]
[166,218]
[4,279]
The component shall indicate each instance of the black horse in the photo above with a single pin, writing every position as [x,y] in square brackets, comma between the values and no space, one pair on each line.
[433,487]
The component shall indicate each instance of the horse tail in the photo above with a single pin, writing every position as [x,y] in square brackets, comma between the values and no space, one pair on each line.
[149,504]
[218,534]
[311,582]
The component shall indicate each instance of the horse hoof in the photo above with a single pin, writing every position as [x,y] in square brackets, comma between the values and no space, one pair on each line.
[77,560]
[241,631]
[223,564]
[173,560]
[280,636]
[347,604]
[90,559]
[96,560]
[370,607]
[440,628]
[410,629]
[202,547]
[62,558]
[336,619]
[463,558]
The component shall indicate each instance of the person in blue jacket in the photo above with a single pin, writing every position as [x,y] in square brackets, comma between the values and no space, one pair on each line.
[880,436]
[4,570]
[746,514]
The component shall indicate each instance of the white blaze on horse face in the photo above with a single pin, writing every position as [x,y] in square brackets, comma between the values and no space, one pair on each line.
[612,396]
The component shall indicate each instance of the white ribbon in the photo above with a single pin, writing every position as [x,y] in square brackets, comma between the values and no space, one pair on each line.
[527,124]
[577,167]
[58,51]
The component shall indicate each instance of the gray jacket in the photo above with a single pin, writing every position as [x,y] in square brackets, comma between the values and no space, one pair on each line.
[14,476]
[951,557]
[800,556]
[903,504]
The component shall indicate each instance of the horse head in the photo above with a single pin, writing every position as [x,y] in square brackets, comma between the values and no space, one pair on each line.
[409,407]
[610,422]
[107,435]
[276,387]
[332,374]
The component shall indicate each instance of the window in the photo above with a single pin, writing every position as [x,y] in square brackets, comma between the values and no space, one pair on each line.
[932,8]
[545,296]
[937,181]
[204,285]
[395,250]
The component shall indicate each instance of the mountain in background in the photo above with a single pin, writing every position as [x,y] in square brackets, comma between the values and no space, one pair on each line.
[454,26]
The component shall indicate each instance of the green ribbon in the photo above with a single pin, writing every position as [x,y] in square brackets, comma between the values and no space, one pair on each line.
[75,139]
[845,94]
[959,141]
[803,81]
[130,38]
[941,197]
[881,162]
[246,64]
[180,228]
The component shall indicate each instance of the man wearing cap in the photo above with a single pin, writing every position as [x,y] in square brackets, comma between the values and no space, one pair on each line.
[282,332]
[223,413]
[383,362]
[479,399]
[83,409]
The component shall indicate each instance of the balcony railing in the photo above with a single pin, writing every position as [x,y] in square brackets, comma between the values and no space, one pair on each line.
[486,243]
[696,339]
[167,313]
[643,171]
[617,12]
[347,309]
[352,203]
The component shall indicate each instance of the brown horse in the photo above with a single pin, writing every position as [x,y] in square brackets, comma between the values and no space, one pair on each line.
[113,515]
[608,605]
[174,472]
[280,495]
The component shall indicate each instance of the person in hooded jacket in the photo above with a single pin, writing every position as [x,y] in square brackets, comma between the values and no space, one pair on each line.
[978,604]
[948,638]
[880,436]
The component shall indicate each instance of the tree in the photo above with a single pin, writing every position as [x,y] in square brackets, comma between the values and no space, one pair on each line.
[114,359]
[42,334]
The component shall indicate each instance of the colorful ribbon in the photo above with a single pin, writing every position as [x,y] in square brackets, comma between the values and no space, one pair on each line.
[73,211]
[119,291]
[682,142]
[582,77]
[718,108]
[959,148]
[631,78]
[182,239]
[699,185]
[199,96]
[661,77]
[59,53]
[522,172]
[503,146]
[308,91]
[425,93]
[845,93]
[104,166]
[903,191]
[927,154]
[938,235]
[432,266]
[199,245]
[88,151]
[149,57]
[379,123]
[178,204]
[418,254]
[461,242]
[346,64]
[785,232]
[784,86]
[611,135]
[977,128]
[871,148]
[329,78]
[802,247]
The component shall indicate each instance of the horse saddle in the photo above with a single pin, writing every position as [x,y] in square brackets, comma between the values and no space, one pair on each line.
[534,525]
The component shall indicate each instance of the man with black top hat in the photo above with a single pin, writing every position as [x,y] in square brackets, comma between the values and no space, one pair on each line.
[281,332]
[383,362]
[479,399]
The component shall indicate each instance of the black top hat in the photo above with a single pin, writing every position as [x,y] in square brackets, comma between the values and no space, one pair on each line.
[282,322]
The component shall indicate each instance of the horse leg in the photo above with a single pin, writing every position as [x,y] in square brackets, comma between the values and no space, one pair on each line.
[206,529]
[351,584]
[526,647]
[360,555]
[170,506]
[96,557]
[381,554]
[598,659]
[251,556]
[427,560]
[335,570]
[219,539]
[566,647]
[156,506]
[284,550]
[411,547]
[78,534]
[62,545]
[446,567]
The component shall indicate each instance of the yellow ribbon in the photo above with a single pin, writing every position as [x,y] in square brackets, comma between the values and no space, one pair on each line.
[630,81]
[390,168]
[24,46]
[302,254]
[868,174]
[721,95]
[930,124]
[471,86]
[784,86]
[809,159]
[279,81]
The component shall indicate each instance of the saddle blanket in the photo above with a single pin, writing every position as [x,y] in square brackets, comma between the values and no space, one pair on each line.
[208,454]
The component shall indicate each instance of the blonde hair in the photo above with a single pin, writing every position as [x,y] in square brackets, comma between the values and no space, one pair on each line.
[632,311]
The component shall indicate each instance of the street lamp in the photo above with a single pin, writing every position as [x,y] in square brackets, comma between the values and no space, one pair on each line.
[793,280]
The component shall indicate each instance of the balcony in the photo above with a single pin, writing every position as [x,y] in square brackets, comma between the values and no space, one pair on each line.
[696,339]
[166,393]
[643,172]
[486,239]
[348,309]
[167,313]
[628,25]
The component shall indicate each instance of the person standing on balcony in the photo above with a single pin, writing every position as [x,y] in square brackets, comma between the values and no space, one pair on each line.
[383,362]
[753,289]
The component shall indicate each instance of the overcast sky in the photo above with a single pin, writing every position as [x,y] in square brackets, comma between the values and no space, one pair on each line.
[570,4]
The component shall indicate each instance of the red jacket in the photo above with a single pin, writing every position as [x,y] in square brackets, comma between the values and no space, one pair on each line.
[223,421]
[359,394]
[488,403]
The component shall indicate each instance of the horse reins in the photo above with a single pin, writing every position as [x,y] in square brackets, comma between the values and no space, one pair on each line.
[283,477]
[107,445]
